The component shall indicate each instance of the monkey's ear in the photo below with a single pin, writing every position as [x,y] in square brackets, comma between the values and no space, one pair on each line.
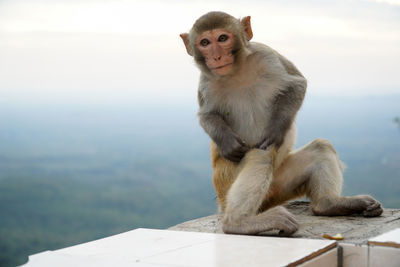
[185,39]
[247,27]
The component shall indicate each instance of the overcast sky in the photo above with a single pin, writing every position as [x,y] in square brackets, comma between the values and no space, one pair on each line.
[127,51]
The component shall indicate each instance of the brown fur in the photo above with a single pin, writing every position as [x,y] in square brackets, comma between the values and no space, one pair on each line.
[224,174]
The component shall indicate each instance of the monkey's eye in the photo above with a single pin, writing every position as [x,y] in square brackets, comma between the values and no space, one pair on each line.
[223,38]
[204,42]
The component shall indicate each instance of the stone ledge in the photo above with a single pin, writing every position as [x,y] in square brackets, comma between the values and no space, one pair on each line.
[355,229]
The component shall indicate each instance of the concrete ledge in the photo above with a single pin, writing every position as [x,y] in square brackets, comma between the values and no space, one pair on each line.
[355,229]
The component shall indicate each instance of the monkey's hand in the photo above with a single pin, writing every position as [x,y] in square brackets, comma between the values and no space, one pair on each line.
[275,138]
[233,148]
[229,143]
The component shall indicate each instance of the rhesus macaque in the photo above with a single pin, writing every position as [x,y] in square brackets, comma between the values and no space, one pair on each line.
[249,95]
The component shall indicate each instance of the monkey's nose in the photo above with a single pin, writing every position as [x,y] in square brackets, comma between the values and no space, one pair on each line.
[217,58]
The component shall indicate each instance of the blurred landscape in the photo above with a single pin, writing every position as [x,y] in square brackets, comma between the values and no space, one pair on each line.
[98,123]
[75,173]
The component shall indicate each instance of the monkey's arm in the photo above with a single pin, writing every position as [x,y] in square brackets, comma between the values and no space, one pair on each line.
[283,111]
[229,144]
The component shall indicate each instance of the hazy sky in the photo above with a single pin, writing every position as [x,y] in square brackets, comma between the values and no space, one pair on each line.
[127,51]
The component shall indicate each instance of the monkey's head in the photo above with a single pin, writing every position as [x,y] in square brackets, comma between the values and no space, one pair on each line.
[216,41]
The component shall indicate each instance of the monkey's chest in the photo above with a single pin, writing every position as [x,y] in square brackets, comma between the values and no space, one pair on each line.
[245,106]
[248,118]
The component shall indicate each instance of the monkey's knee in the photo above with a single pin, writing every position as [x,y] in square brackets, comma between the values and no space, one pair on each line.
[320,145]
[260,156]
[323,151]
[325,158]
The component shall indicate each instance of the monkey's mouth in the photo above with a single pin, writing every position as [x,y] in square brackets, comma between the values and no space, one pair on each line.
[223,66]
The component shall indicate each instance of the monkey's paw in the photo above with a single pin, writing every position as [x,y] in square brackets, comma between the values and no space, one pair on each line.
[233,149]
[371,206]
[284,221]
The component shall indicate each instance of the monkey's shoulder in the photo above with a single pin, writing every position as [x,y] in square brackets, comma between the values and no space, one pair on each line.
[260,47]
[260,50]
[270,60]
[265,59]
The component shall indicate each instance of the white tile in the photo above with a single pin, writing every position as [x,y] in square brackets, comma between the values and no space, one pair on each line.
[146,247]
[389,239]
[327,259]
[65,260]
[237,250]
[354,255]
[384,256]
[137,243]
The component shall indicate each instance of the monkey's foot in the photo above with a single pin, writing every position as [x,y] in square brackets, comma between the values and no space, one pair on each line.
[360,204]
[277,218]
[283,220]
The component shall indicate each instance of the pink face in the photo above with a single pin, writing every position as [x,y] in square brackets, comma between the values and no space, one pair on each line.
[216,47]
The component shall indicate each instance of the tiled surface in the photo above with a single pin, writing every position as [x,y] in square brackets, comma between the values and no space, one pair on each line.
[146,247]
[384,250]
[381,251]
[389,239]
[354,255]
[328,259]
[384,256]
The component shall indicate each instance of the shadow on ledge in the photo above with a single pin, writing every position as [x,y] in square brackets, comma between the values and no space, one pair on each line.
[355,229]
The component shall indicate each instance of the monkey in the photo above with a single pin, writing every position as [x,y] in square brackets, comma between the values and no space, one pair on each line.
[248,97]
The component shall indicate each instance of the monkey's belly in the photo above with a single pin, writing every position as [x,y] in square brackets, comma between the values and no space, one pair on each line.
[257,135]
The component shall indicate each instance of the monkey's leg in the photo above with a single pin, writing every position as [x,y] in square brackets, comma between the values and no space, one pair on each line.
[316,171]
[244,199]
